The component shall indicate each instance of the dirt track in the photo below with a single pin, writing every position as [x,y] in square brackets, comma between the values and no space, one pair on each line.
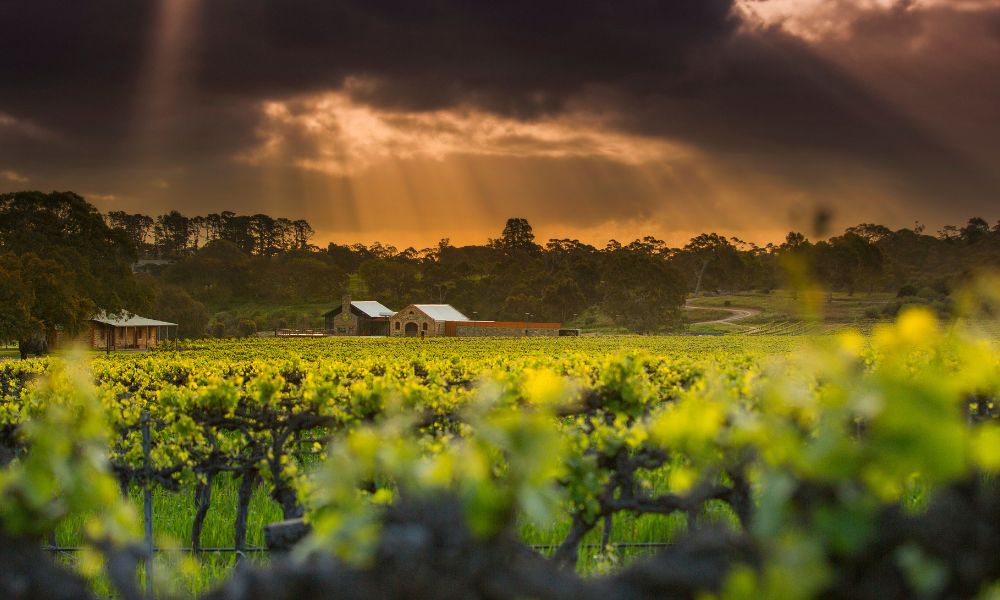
[736,314]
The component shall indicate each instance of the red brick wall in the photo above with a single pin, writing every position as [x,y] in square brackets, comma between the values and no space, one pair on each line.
[504,328]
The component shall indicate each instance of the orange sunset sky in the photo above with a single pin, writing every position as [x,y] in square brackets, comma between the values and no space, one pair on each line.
[404,122]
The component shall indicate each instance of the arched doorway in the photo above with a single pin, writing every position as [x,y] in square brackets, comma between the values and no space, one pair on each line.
[411,329]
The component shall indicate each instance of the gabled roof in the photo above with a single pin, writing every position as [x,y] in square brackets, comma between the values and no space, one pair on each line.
[369,308]
[129,320]
[372,308]
[441,312]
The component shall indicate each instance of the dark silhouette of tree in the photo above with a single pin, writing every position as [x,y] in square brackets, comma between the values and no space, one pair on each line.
[870,232]
[393,281]
[171,235]
[137,227]
[301,234]
[562,299]
[77,264]
[642,292]
[517,236]
[849,261]
[172,303]
[975,230]
[37,296]
[712,262]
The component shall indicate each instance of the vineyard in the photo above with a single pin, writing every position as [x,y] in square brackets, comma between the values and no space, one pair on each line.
[788,328]
[777,464]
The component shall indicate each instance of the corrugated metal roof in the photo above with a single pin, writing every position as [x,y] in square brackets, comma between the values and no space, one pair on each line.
[442,312]
[129,320]
[372,308]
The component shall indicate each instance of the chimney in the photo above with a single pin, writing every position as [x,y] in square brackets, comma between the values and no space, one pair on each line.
[345,307]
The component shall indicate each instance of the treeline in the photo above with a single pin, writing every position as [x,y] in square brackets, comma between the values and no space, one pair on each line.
[630,283]
[216,265]
[508,278]
[174,235]
[640,285]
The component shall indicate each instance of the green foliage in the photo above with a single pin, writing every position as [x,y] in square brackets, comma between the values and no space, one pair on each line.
[222,274]
[38,296]
[171,303]
[86,266]
[804,442]
[16,301]
[505,467]
[64,472]
[642,292]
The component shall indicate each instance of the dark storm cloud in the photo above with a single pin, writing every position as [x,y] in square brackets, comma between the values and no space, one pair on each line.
[65,62]
[77,67]
[518,56]
[771,99]
[685,70]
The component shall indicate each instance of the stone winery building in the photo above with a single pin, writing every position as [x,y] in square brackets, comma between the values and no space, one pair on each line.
[424,320]
[371,318]
[358,317]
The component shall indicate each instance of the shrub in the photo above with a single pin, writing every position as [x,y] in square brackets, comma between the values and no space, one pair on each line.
[928,293]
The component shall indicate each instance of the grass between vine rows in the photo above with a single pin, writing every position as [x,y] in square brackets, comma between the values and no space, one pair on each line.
[173,516]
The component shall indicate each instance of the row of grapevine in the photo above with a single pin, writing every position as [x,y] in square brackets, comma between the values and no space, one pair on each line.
[790,328]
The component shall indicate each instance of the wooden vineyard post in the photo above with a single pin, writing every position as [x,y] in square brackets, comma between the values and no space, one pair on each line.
[147,503]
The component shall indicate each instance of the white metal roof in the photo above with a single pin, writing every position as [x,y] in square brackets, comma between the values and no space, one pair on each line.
[442,312]
[372,308]
[129,320]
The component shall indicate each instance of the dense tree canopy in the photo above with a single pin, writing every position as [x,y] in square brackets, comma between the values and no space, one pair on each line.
[642,291]
[62,263]
[63,227]
[639,285]
[212,264]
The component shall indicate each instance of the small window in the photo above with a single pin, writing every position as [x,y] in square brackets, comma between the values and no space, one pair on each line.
[397,324]
[425,326]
